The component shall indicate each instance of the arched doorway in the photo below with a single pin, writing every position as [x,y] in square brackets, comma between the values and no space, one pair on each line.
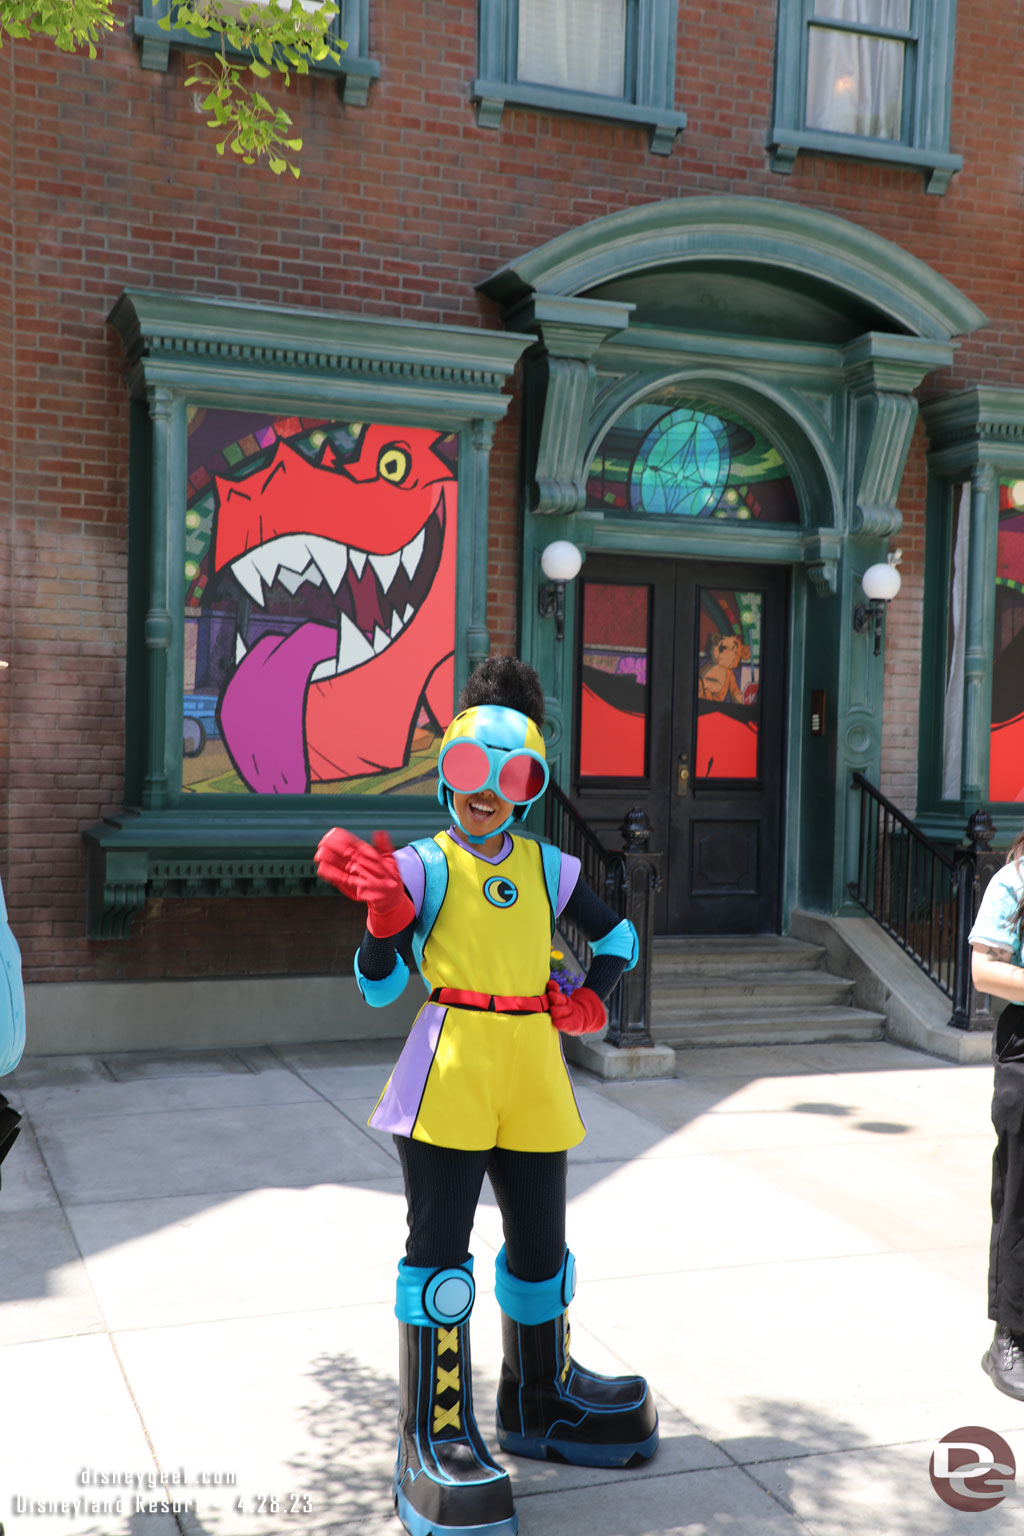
[812,333]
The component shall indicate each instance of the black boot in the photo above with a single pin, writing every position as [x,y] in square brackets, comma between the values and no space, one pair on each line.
[1004,1361]
[446,1483]
[549,1407]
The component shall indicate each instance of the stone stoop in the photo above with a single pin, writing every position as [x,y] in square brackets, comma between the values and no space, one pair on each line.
[756,990]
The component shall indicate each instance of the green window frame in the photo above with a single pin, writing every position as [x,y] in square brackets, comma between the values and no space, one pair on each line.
[355,70]
[923,143]
[186,354]
[976,445]
[649,91]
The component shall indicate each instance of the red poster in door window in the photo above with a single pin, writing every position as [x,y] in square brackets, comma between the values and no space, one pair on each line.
[728,683]
[613,683]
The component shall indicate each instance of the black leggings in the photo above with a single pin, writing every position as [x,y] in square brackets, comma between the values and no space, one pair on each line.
[442,1188]
[1006,1258]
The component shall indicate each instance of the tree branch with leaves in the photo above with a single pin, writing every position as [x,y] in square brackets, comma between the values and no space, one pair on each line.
[251,42]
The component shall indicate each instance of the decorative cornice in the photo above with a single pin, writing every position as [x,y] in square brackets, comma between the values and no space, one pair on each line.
[761,230]
[984,423]
[176,341]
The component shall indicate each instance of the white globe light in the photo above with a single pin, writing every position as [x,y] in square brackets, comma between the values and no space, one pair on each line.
[881,582]
[561,561]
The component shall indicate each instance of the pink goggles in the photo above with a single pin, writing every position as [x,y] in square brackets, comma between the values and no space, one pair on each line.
[518,776]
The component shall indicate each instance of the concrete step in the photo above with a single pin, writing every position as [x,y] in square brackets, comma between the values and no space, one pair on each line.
[705,995]
[718,956]
[770,1026]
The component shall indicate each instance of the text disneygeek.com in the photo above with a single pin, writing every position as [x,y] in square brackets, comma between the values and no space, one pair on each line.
[107,1492]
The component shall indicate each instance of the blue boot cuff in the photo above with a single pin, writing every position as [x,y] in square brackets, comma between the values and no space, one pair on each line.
[433,1298]
[534,1301]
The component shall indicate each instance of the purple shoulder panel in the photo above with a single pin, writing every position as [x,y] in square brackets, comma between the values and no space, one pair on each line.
[414,878]
[567,879]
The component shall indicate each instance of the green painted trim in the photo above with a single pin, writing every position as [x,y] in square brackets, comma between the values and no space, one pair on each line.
[938,538]
[354,70]
[492,96]
[753,229]
[229,351]
[983,424]
[785,144]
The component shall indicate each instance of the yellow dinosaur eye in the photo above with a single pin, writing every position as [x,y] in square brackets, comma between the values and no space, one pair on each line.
[394,464]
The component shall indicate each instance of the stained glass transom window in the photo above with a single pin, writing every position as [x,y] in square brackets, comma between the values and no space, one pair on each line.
[673,456]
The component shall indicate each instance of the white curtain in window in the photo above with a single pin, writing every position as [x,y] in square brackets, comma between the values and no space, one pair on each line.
[953,713]
[579,45]
[855,82]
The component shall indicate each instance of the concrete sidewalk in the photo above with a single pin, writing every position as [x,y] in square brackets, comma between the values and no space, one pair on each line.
[197,1283]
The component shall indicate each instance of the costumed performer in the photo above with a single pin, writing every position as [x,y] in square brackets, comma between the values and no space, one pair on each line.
[481,1086]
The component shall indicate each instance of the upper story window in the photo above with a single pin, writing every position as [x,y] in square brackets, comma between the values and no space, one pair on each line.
[354,68]
[612,59]
[580,46]
[866,78]
[859,53]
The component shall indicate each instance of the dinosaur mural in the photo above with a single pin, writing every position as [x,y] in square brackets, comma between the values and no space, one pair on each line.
[341,567]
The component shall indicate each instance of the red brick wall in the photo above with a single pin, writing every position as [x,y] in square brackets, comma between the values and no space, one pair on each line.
[400,210]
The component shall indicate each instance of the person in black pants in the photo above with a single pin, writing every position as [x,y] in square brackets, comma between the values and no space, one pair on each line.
[997,967]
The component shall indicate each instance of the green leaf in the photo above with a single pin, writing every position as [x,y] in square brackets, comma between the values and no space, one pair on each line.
[259,70]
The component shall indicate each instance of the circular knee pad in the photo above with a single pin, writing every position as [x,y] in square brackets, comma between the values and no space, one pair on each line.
[448,1296]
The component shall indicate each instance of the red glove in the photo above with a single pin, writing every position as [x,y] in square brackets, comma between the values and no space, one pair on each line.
[581,1013]
[368,874]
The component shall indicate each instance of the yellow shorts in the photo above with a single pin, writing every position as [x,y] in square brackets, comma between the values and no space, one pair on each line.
[474,1080]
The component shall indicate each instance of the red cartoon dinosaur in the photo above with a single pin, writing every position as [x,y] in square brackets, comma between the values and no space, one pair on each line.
[374,540]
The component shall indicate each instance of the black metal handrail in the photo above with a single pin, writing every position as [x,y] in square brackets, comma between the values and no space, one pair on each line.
[627,881]
[924,898]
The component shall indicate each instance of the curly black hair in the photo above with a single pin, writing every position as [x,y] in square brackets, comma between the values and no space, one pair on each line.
[508,681]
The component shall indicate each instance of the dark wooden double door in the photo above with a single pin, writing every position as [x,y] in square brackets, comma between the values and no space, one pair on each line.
[681,689]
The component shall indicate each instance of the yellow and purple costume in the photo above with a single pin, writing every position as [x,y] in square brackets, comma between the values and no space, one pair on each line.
[471,1078]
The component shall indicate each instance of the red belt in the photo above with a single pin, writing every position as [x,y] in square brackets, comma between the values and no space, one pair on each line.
[486,1002]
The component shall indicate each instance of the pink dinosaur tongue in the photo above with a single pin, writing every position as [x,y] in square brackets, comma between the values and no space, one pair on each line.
[262,712]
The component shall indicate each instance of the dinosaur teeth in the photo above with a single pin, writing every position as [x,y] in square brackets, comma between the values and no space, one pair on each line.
[397,623]
[332,560]
[358,558]
[386,567]
[353,646]
[240,649]
[381,641]
[410,556]
[245,573]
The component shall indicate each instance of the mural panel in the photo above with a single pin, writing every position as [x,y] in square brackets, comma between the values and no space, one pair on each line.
[728,683]
[613,693]
[1006,753]
[319,604]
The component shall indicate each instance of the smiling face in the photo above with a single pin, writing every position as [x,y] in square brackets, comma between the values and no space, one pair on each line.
[481,814]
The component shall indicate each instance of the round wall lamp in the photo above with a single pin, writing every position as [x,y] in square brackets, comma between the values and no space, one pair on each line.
[880,583]
[560,561]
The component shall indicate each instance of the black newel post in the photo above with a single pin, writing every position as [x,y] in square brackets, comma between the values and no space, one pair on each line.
[629,1021]
[972,869]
